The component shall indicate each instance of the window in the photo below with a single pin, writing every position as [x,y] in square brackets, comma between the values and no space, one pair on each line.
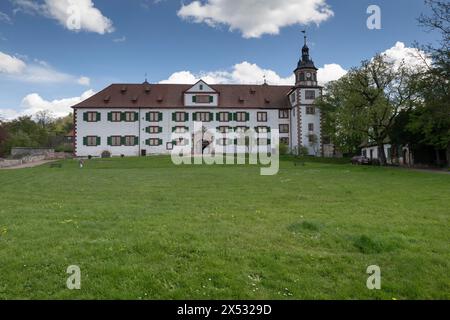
[130,141]
[130,116]
[154,142]
[293,98]
[202,99]
[284,141]
[92,141]
[91,116]
[262,116]
[154,130]
[284,114]
[284,128]
[116,116]
[154,117]
[203,116]
[312,138]
[223,142]
[180,129]
[201,87]
[310,126]
[302,76]
[242,116]
[310,94]
[181,142]
[241,129]
[116,141]
[262,129]
[310,110]
[224,117]
[180,117]
[224,130]
[169,146]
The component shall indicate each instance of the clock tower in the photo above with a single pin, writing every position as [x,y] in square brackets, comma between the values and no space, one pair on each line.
[306,72]
[306,117]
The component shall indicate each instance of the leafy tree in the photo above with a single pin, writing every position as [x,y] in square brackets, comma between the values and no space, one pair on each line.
[431,118]
[3,137]
[362,105]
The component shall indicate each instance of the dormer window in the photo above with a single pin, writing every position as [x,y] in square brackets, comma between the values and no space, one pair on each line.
[202,99]
[201,87]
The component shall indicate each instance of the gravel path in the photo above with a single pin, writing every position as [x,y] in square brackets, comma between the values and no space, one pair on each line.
[29,165]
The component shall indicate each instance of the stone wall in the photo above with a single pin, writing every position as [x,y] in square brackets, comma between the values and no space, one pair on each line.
[21,152]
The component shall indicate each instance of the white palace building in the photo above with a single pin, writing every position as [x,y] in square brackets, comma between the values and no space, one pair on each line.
[140,119]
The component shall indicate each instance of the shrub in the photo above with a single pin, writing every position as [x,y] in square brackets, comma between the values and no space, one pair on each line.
[284,149]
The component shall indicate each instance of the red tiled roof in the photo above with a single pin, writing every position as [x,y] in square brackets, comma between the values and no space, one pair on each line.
[172,96]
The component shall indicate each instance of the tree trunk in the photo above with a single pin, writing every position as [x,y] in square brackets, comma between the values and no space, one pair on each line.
[448,155]
[438,157]
[381,154]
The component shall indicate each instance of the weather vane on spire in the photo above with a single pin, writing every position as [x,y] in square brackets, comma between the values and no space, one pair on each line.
[304,32]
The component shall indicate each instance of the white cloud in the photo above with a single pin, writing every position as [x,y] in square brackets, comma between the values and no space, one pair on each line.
[33,103]
[5,18]
[256,17]
[37,71]
[121,39]
[248,73]
[81,15]
[84,81]
[411,57]
[330,72]
[10,64]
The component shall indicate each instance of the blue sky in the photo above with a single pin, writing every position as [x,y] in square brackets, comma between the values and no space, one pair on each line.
[123,40]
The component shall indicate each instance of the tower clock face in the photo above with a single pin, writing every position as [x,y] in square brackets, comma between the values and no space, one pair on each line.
[308,75]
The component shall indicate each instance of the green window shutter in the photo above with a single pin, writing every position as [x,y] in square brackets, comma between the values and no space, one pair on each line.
[186,117]
[230,116]
[147,129]
[174,116]
[235,116]
[186,128]
[211,116]
[122,140]
[269,142]
[160,116]
[85,116]
[109,116]
[174,129]
[218,116]
[147,117]
[160,142]
[122,116]
[147,142]
[99,141]
[136,116]
[160,129]
[109,141]
[194,116]
[194,99]
[211,99]
[268,129]
[99,117]
[247,116]
[136,141]
[85,141]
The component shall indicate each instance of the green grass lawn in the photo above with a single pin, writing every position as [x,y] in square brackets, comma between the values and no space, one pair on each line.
[146,229]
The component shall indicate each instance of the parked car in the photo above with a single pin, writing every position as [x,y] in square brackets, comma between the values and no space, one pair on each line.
[360,160]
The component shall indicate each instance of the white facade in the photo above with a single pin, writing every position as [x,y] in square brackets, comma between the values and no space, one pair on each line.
[105,128]
[305,115]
